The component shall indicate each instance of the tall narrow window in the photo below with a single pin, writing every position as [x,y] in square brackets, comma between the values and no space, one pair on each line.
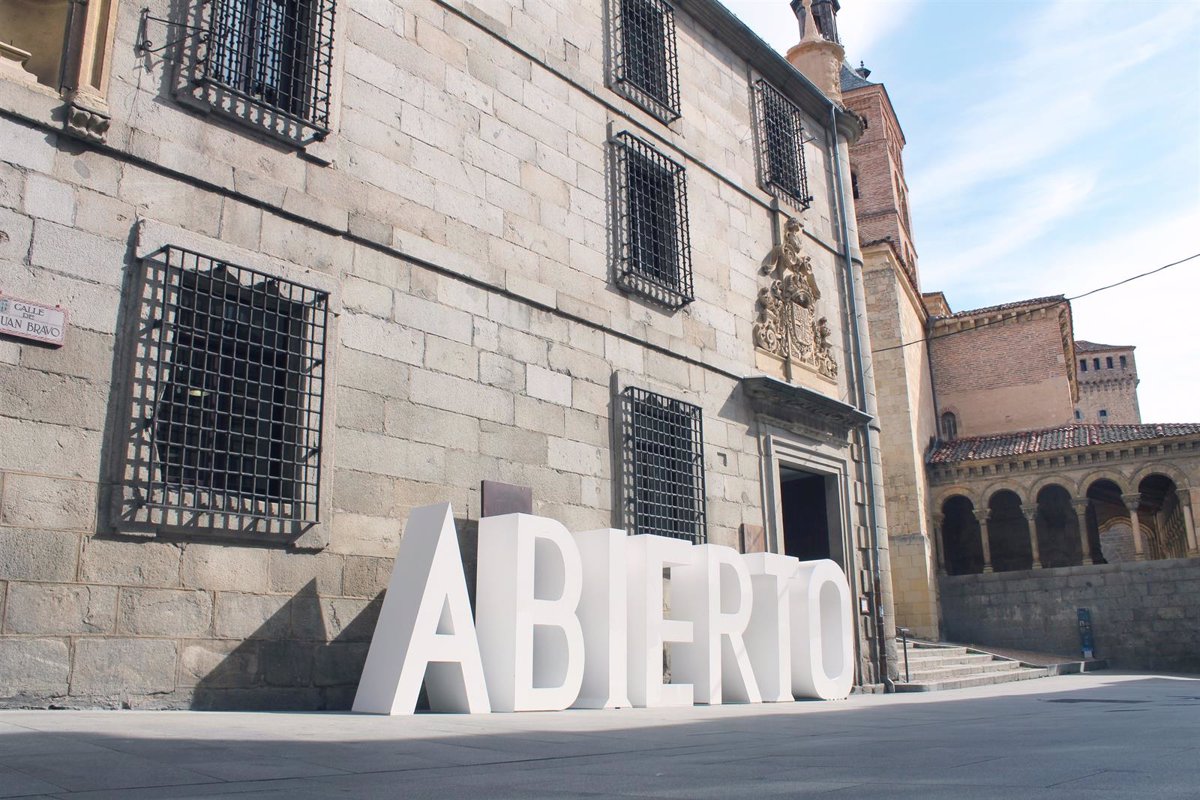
[654,243]
[663,474]
[1095,363]
[235,390]
[645,63]
[276,57]
[1124,363]
[1083,365]
[949,426]
[1108,362]
[781,145]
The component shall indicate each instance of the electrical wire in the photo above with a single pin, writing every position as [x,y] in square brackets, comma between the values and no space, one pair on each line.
[1024,310]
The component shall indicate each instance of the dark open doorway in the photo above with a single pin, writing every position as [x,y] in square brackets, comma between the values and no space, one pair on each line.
[804,501]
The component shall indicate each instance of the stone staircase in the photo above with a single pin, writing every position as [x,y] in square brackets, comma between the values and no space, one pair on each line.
[932,667]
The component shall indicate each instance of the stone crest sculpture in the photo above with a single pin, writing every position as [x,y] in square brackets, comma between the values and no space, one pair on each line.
[788,325]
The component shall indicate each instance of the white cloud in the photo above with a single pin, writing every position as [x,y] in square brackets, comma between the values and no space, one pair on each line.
[1033,208]
[1058,88]
[863,24]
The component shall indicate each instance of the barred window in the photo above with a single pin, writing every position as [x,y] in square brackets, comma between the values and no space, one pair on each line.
[277,57]
[645,62]
[232,377]
[781,145]
[654,251]
[663,471]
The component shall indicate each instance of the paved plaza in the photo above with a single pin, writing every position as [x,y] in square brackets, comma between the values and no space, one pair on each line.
[1101,735]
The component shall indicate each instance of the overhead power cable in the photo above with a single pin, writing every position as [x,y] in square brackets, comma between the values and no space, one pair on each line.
[1024,310]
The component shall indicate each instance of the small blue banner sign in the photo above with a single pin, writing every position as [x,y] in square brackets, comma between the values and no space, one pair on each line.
[1085,633]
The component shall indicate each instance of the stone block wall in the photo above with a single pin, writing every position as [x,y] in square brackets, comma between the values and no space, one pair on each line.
[907,415]
[1145,615]
[458,214]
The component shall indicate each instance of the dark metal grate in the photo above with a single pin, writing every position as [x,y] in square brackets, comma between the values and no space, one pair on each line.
[277,54]
[645,62]
[781,145]
[238,378]
[654,251]
[663,476]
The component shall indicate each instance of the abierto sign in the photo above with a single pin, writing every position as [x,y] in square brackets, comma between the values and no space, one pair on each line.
[578,620]
[30,320]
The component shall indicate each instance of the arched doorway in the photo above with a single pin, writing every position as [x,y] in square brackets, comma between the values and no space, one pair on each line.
[1161,515]
[1109,534]
[1008,531]
[960,537]
[1057,528]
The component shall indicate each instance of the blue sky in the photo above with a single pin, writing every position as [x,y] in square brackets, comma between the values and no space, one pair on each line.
[1053,147]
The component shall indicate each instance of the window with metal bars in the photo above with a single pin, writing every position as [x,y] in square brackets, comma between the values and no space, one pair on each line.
[663,475]
[276,55]
[654,251]
[646,66]
[781,145]
[234,379]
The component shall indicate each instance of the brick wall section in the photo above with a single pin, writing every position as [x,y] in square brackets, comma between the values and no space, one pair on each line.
[1144,615]
[1006,376]
[882,204]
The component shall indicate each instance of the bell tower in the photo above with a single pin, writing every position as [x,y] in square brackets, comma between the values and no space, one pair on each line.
[819,54]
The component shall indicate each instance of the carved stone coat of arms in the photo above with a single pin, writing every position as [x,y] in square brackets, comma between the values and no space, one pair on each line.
[788,324]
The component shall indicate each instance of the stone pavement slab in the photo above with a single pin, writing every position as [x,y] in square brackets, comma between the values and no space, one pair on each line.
[1098,736]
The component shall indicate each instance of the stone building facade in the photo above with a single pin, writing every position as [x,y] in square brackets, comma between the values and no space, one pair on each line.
[900,352]
[997,458]
[416,247]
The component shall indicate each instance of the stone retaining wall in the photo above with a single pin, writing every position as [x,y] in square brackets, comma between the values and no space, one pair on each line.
[1145,615]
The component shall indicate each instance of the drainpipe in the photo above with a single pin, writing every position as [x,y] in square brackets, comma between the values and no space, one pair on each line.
[864,402]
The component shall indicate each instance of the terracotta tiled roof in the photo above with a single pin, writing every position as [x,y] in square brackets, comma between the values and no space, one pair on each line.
[1064,438]
[1037,301]
[1082,346]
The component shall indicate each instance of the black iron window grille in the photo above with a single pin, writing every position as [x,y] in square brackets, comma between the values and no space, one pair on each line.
[781,145]
[276,56]
[663,474]
[654,250]
[235,365]
[645,62]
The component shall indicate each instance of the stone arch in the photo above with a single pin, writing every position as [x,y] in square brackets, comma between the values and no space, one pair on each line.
[940,496]
[1120,479]
[1008,531]
[1161,514]
[1109,535]
[1072,487]
[1178,476]
[1020,490]
[963,547]
[1057,526]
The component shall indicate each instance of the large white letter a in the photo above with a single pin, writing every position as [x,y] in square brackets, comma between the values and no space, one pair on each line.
[425,631]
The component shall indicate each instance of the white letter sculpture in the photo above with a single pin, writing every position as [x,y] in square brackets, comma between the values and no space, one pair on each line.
[822,632]
[603,612]
[769,636]
[424,631]
[648,630]
[528,589]
[714,593]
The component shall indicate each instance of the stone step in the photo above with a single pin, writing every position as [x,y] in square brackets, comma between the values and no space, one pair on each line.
[1020,674]
[927,674]
[944,661]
